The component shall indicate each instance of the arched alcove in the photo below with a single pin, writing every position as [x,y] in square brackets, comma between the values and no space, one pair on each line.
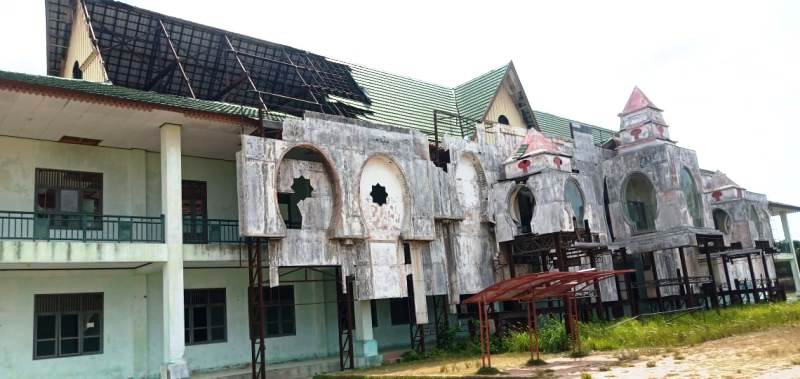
[722,220]
[640,205]
[522,205]
[574,197]
[383,198]
[306,189]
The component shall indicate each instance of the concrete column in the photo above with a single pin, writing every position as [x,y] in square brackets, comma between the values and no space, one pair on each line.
[365,346]
[174,363]
[795,270]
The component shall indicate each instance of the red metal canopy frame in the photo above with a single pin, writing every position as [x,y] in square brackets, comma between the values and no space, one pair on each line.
[530,288]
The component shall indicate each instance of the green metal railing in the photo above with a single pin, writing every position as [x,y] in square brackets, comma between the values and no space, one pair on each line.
[80,227]
[197,230]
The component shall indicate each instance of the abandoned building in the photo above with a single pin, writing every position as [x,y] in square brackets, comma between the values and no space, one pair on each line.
[178,199]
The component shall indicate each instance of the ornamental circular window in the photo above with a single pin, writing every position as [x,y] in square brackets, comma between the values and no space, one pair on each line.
[693,202]
[722,220]
[640,203]
[574,196]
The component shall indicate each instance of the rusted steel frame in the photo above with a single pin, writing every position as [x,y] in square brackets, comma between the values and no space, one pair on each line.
[487,333]
[299,75]
[256,296]
[345,322]
[714,298]
[177,58]
[766,275]
[655,279]
[244,70]
[689,293]
[754,287]
[481,332]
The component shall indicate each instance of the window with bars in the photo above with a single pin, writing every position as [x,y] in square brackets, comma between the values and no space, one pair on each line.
[279,311]
[67,325]
[204,316]
[62,196]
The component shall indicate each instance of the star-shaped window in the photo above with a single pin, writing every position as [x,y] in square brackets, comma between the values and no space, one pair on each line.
[302,188]
[379,194]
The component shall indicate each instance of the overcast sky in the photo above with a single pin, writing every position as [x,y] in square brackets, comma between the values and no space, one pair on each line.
[726,73]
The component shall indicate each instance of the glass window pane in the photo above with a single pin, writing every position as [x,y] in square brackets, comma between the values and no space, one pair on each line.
[45,326]
[217,296]
[68,200]
[288,327]
[92,325]
[272,313]
[69,325]
[199,317]
[200,335]
[69,346]
[91,345]
[217,334]
[217,316]
[45,348]
[272,328]
[287,313]
[45,199]
[640,200]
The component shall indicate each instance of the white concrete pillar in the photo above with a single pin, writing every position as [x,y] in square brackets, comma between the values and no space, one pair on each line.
[365,346]
[788,237]
[174,364]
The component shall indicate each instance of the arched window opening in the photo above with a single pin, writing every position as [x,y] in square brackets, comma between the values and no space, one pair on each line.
[640,203]
[300,167]
[756,222]
[574,196]
[607,212]
[693,202]
[77,73]
[522,208]
[503,120]
[722,221]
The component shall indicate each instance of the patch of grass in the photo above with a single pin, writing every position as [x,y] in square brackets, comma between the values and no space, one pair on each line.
[689,329]
[604,368]
[586,375]
[651,364]
[796,361]
[678,357]
[487,371]
[535,362]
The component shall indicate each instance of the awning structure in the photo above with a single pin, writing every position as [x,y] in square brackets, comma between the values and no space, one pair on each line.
[530,288]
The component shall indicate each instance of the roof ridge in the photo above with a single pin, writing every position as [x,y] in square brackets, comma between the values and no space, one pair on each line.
[503,67]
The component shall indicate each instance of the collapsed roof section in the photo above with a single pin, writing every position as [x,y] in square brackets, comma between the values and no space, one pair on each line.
[149,51]
[153,52]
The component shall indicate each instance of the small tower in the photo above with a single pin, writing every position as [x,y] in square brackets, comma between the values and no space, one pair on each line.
[641,121]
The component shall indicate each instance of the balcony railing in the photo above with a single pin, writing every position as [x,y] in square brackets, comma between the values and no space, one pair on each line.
[80,227]
[197,230]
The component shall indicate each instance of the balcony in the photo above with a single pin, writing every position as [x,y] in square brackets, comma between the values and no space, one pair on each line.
[108,228]
[80,227]
[198,230]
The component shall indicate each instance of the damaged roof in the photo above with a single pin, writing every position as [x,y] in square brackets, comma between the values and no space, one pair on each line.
[222,67]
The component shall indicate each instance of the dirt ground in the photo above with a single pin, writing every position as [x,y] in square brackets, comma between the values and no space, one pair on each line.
[774,353]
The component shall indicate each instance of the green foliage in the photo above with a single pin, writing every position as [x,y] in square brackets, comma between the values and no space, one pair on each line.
[656,331]
[689,329]
[586,375]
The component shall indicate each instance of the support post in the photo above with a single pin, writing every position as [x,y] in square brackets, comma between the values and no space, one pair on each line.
[787,236]
[689,292]
[714,299]
[754,288]
[654,269]
[366,348]
[173,363]
[767,283]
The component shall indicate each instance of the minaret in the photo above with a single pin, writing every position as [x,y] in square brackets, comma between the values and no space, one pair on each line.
[641,120]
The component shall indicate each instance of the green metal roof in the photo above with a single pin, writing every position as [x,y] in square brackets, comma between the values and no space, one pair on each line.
[474,97]
[129,94]
[403,101]
[557,126]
